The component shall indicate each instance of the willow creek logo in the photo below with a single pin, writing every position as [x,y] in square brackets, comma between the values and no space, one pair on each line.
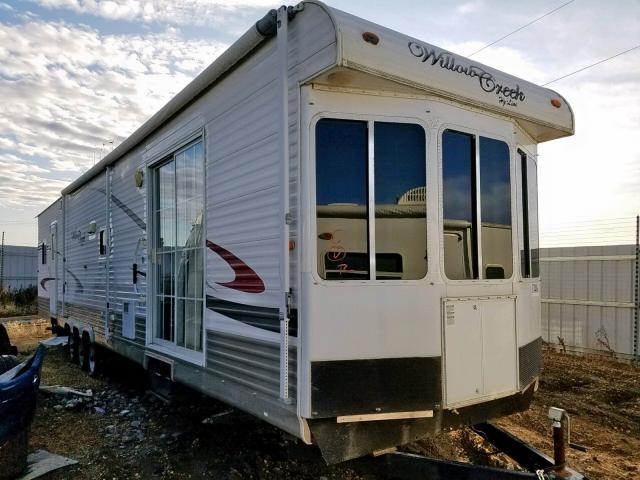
[507,95]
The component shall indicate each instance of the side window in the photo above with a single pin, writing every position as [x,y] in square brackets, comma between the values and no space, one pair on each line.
[102,240]
[342,199]
[476,207]
[400,201]
[529,256]
[43,253]
[495,211]
[371,205]
[459,203]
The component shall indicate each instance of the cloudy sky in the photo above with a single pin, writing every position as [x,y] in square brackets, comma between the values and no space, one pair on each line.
[78,76]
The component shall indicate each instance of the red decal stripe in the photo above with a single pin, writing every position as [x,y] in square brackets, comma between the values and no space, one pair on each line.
[247,280]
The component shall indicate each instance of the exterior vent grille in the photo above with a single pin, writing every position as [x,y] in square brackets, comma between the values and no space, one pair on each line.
[530,361]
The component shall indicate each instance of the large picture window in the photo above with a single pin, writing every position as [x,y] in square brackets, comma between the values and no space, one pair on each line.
[178,263]
[371,200]
[476,207]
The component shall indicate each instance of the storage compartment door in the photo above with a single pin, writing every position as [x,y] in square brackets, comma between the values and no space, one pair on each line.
[499,346]
[463,351]
[480,350]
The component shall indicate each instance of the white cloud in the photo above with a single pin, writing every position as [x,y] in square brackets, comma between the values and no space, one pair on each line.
[23,184]
[67,90]
[185,12]
[470,7]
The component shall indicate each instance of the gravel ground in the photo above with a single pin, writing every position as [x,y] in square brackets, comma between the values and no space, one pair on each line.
[123,431]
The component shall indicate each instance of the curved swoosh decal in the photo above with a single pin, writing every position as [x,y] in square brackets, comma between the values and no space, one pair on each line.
[45,280]
[247,280]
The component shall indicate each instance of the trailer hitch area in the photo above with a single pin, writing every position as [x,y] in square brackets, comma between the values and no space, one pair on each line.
[528,457]
[559,418]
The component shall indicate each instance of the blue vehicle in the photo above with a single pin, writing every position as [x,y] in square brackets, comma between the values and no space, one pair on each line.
[18,395]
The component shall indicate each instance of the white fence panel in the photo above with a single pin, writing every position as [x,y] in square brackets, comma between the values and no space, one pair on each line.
[588,302]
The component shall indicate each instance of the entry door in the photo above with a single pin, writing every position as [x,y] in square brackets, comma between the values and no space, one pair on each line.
[177,262]
[53,270]
[480,349]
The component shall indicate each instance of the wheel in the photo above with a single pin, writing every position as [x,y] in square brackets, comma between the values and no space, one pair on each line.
[88,355]
[67,347]
[92,358]
[81,350]
[74,347]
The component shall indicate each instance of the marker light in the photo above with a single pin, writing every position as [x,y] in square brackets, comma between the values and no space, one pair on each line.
[326,236]
[556,103]
[371,38]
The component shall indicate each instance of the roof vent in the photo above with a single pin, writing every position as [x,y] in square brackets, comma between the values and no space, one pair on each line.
[415,196]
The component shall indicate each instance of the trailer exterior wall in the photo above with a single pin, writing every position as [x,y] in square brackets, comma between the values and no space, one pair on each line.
[47,275]
[237,123]
[127,245]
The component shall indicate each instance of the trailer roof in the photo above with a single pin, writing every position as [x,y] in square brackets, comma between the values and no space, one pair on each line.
[375,50]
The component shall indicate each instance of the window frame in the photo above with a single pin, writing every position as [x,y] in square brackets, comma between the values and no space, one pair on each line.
[43,253]
[154,342]
[523,200]
[476,133]
[370,119]
[102,242]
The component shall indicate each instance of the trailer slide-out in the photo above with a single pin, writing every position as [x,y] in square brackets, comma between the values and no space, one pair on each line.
[333,227]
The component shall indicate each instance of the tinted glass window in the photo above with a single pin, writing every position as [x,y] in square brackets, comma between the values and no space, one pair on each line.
[495,211]
[400,197]
[459,192]
[341,199]
[534,232]
[529,256]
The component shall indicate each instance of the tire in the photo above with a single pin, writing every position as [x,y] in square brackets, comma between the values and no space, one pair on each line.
[7,362]
[92,359]
[88,355]
[74,347]
[81,350]
[67,347]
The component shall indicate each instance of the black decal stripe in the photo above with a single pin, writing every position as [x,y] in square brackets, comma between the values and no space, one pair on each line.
[260,317]
[130,213]
[45,280]
[79,287]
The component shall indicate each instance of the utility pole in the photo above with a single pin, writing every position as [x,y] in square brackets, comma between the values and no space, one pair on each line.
[636,323]
[2,264]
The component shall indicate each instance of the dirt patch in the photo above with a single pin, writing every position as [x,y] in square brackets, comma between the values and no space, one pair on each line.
[124,432]
[603,399]
[26,332]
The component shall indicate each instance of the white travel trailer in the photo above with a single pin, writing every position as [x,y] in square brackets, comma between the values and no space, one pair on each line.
[333,227]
